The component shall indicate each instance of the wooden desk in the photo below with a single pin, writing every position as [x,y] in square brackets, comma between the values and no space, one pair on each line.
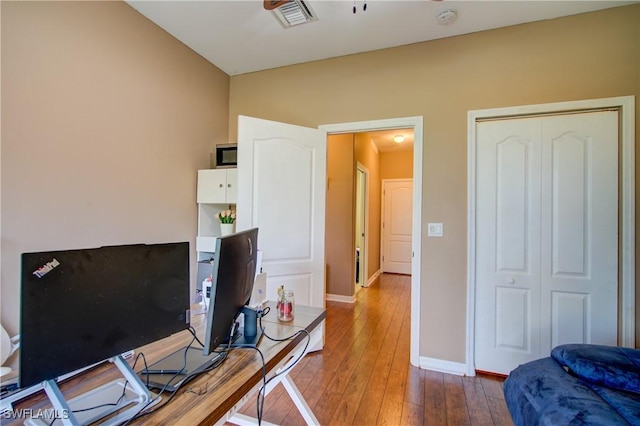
[214,396]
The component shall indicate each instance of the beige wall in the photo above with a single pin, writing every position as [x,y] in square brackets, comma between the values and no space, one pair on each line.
[340,219]
[370,159]
[586,56]
[396,165]
[105,120]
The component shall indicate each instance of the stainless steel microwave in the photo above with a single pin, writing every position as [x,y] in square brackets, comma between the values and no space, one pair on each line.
[226,155]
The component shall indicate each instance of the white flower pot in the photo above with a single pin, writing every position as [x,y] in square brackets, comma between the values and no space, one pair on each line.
[227,228]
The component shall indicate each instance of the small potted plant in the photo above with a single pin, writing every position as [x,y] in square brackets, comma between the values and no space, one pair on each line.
[227,220]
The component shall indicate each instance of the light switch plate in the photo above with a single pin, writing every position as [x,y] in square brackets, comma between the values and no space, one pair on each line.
[435,230]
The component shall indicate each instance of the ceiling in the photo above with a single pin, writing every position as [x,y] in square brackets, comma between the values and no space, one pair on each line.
[240,36]
[383,140]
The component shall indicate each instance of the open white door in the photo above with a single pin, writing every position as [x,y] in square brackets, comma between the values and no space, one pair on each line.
[281,190]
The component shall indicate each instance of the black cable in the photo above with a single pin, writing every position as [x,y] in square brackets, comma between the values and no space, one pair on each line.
[263,388]
[304,351]
[146,367]
[193,332]
[164,388]
[184,360]
[265,381]
[141,413]
[108,404]
[187,378]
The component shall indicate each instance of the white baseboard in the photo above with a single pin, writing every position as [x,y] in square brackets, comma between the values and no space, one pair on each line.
[443,366]
[340,298]
[374,277]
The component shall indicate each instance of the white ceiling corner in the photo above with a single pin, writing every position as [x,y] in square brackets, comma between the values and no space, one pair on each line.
[240,36]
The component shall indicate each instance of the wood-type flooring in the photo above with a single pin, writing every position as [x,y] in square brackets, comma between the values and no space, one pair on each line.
[363,375]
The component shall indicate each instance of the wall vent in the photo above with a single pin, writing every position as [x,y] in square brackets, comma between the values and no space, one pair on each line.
[294,12]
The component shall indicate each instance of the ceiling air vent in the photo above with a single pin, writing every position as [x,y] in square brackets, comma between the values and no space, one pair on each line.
[294,12]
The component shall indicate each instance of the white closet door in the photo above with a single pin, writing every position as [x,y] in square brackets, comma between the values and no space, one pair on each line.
[547,248]
[508,244]
[579,274]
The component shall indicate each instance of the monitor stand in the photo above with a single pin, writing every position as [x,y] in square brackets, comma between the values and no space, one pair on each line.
[129,392]
[170,372]
[243,341]
[249,335]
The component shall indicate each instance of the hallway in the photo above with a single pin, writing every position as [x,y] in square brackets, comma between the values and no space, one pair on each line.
[363,375]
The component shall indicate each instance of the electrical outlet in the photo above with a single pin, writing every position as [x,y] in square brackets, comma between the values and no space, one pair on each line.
[435,230]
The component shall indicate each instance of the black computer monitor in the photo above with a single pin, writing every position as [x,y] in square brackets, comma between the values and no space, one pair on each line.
[233,274]
[80,307]
[234,270]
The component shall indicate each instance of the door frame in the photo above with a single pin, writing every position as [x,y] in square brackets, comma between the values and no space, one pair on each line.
[416,238]
[364,251]
[625,105]
[382,213]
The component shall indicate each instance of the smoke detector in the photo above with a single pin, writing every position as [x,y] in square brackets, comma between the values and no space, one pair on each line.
[447,17]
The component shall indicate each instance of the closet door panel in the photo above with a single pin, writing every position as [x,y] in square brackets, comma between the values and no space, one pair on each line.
[579,270]
[507,244]
[570,198]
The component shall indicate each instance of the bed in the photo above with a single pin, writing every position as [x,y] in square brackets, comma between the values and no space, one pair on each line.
[578,384]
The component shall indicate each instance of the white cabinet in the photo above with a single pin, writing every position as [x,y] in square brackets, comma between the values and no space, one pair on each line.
[217,186]
[217,191]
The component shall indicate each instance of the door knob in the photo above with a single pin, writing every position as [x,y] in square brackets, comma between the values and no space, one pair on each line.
[511,280]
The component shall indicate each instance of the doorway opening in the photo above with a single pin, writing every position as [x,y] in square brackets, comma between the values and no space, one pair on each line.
[416,125]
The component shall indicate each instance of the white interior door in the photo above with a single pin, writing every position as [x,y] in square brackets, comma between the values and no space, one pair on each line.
[547,247]
[281,190]
[397,202]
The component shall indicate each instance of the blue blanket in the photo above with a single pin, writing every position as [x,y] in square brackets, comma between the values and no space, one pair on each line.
[614,367]
[578,385]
